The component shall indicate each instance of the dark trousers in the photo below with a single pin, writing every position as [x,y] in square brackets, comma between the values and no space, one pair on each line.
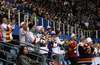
[74,61]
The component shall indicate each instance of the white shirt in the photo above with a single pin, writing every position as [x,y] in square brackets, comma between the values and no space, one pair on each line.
[22,36]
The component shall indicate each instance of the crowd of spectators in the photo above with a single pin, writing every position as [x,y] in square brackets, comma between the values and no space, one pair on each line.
[71,52]
[82,14]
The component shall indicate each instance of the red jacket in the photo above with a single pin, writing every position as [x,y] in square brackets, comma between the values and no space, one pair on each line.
[72,48]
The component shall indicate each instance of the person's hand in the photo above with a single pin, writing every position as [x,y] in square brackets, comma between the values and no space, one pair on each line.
[46,40]
[41,37]
[49,40]
[52,39]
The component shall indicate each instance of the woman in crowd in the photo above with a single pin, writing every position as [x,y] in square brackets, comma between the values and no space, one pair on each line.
[23,58]
[96,58]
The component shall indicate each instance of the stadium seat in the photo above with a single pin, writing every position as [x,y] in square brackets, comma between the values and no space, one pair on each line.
[10,57]
[16,48]
[13,51]
[1,63]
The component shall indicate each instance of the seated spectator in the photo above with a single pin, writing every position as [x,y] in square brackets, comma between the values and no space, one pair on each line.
[22,58]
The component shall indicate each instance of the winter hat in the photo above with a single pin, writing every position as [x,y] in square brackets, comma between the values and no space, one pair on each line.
[39,28]
[82,38]
[49,27]
[22,23]
[73,35]
[53,33]
[89,39]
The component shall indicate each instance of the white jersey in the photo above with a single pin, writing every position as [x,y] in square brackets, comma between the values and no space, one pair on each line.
[7,31]
[31,40]
[23,35]
[77,50]
[42,44]
[96,58]
[57,49]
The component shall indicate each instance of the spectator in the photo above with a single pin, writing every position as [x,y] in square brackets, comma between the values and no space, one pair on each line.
[23,33]
[83,52]
[72,49]
[32,40]
[61,49]
[49,29]
[86,24]
[67,56]
[96,56]
[7,31]
[23,58]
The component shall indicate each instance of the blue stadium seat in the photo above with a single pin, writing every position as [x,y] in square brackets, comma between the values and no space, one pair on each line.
[13,51]
[1,63]
[10,57]
[16,48]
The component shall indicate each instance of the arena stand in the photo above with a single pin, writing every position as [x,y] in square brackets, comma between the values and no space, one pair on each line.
[66,29]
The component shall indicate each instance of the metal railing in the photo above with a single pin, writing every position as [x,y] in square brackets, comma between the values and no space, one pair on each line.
[40,55]
[64,27]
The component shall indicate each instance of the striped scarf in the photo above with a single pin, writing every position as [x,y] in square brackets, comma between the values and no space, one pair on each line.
[25,29]
[8,32]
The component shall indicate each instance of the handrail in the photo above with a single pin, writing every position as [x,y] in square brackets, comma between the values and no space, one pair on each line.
[9,44]
[5,44]
[8,53]
[7,61]
[35,54]
[16,55]
[29,45]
